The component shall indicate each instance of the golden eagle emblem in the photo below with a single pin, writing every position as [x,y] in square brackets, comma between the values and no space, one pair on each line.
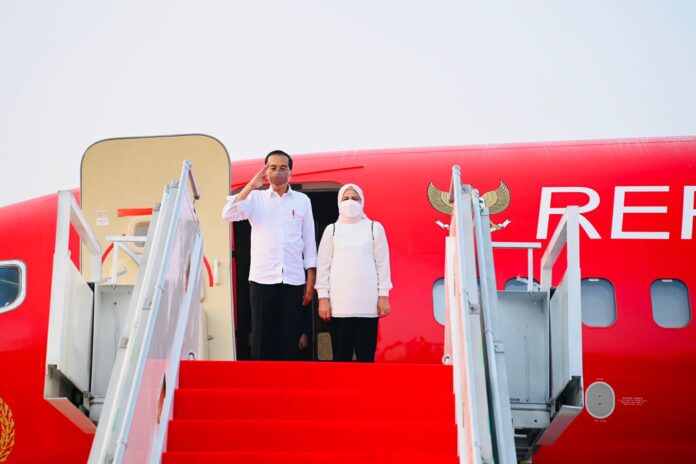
[7,431]
[496,201]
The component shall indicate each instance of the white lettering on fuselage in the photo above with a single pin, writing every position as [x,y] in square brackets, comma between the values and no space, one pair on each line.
[545,209]
[619,211]
[689,213]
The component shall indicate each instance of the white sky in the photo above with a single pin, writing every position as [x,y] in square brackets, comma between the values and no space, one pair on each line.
[313,76]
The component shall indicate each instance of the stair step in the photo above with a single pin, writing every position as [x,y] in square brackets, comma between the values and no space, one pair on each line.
[328,405]
[311,413]
[312,436]
[307,458]
[316,376]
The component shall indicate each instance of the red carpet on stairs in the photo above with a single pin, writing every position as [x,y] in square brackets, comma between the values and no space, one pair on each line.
[311,413]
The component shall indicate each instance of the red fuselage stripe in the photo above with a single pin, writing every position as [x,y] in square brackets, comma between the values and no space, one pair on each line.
[125,212]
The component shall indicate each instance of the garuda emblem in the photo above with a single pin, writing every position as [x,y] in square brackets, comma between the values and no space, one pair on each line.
[7,431]
[496,201]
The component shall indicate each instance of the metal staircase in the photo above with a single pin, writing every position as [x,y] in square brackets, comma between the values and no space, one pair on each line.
[114,350]
[517,356]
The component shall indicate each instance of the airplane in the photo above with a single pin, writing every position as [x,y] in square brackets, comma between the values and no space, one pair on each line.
[637,206]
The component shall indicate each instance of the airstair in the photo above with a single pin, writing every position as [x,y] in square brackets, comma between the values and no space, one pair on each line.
[516,356]
[115,351]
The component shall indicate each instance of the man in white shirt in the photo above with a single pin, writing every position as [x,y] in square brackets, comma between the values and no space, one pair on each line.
[282,248]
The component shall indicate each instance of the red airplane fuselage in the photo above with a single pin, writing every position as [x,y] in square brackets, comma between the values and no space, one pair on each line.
[637,200]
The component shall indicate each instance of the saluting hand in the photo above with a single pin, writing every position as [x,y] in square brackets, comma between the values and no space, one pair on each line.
[257,180]
[253,184]
[383,307]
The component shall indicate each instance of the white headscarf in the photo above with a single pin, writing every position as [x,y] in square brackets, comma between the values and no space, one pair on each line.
[346,219]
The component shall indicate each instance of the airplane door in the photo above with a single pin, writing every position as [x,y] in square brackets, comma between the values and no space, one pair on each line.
[325,211]
[122,179]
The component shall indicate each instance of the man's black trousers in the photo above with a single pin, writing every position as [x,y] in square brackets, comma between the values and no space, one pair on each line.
[275,320]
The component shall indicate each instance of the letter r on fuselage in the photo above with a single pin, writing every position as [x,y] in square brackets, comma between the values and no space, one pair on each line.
[545,209]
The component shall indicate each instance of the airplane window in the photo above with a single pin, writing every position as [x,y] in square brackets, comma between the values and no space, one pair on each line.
[598,302]
[439,300]
[514,285]
[12,280]
[670,303]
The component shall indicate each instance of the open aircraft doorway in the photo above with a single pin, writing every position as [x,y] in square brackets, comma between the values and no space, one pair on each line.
[325,210]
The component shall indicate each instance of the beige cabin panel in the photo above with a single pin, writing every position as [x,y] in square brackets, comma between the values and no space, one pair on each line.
[129,176]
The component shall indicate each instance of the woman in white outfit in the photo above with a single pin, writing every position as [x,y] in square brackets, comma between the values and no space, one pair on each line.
[353,278]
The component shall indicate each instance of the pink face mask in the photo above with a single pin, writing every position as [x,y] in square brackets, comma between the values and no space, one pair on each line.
[279,177]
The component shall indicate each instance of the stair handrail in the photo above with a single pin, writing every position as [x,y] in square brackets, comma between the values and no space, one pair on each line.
[566,235]
[125,387]
[460,344]
[120,243]
[530,247]
[498,386]
[569,377]
[484,420]
[66,350]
